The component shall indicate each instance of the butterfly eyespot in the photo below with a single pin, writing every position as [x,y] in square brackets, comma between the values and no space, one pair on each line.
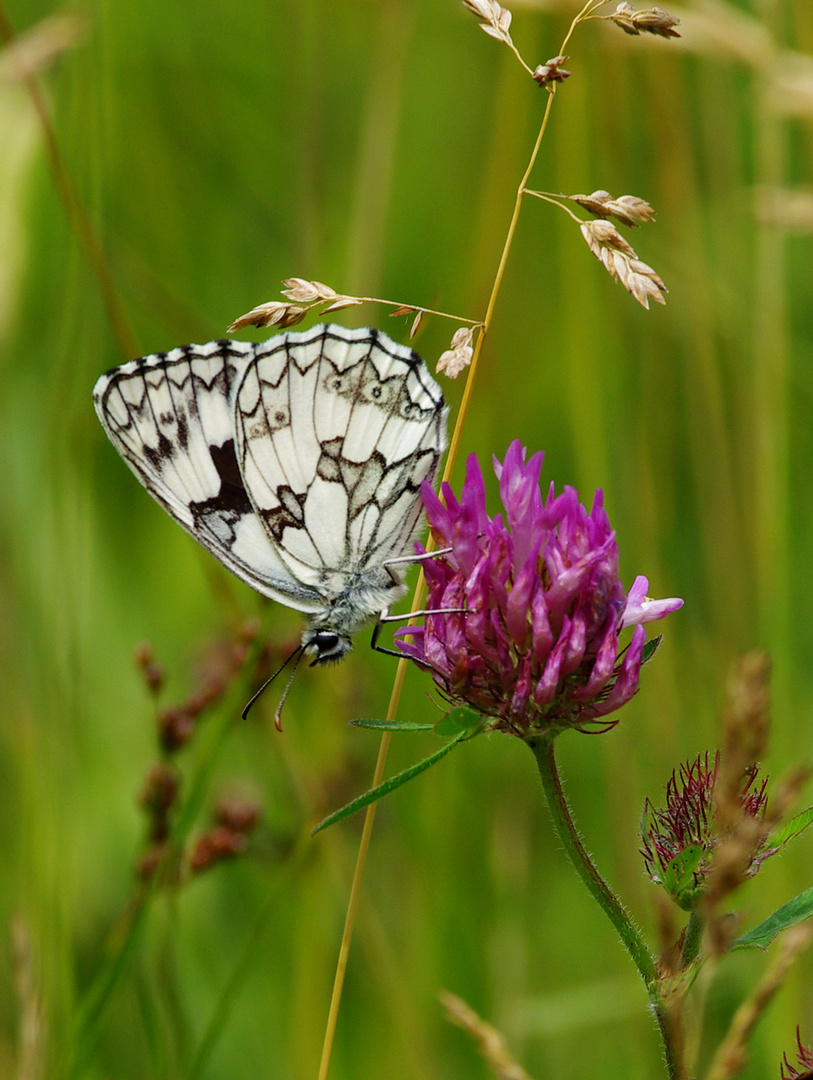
[376,392]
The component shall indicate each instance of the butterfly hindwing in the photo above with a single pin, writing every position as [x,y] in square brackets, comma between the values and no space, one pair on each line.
[334,444]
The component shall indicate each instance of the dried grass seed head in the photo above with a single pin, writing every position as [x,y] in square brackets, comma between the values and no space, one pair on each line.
[652,20]
[494,18]
[551,71]
[274,313]
[622,263]
[307,292]
[628,209]
[602,235]
[301,295]
[458,357]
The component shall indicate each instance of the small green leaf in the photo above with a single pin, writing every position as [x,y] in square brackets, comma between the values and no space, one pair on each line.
[795,911]
[392,725]
[790,829]
[680,871]
[650,648]
[394,782]
[461,721]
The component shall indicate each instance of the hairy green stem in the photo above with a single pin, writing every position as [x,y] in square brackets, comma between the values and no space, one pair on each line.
[601,892]
[691,942]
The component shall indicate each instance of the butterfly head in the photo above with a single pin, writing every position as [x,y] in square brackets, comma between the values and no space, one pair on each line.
[325,646]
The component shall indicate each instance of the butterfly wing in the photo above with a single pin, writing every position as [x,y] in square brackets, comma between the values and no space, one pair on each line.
[335,431]
[170,416]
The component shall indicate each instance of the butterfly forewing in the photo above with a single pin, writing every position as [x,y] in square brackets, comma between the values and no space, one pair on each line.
[297,462]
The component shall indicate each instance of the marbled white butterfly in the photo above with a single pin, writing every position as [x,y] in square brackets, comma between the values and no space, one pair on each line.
[297,462]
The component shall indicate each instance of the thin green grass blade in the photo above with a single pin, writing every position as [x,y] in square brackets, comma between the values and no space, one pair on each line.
[392,725]
[401,778]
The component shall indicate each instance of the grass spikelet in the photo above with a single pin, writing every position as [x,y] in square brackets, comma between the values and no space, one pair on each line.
[621,262]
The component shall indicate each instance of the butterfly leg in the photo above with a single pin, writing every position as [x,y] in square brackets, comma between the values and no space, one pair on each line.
[385,617]
[418,558]
[390,652]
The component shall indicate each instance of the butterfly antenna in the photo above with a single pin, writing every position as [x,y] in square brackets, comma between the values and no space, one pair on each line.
[296,653]
[278,710]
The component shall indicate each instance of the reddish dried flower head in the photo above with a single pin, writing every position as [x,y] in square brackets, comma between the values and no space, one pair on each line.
[680,839]
[803,1070]
[531,605]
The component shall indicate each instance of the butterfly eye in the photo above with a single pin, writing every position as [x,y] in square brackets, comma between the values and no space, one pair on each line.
[328,646]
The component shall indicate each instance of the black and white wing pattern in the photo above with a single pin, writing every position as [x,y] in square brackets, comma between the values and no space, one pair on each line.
[297,462]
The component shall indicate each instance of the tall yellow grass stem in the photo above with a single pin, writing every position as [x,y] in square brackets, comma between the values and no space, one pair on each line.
[395,697]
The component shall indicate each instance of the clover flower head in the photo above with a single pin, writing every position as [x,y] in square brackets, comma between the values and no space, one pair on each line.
[679,839]
[529,605]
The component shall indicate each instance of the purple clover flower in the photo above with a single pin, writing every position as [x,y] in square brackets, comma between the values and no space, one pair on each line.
[531,605]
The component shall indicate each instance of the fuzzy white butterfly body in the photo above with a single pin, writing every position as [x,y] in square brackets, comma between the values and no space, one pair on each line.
[297,462]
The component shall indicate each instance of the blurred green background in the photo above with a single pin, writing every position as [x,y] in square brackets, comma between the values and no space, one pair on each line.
[376,145]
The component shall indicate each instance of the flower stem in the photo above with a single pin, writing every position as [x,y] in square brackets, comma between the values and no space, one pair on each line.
[691,943]
[629,933]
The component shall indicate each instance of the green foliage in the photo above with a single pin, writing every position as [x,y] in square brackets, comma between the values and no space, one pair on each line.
[795,911]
